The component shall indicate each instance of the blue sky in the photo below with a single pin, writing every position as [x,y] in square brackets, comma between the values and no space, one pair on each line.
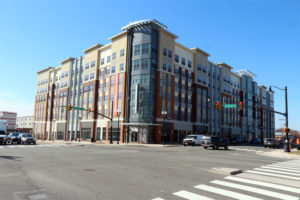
[262,36]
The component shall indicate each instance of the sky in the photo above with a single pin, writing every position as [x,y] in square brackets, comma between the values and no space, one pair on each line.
[262,36]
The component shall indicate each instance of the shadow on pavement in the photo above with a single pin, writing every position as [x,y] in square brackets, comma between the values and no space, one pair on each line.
[10,157]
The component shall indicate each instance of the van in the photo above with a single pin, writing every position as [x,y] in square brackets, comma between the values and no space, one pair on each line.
[192,140]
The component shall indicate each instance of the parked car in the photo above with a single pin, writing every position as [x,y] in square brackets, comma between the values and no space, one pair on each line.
[3,137]
[236,141]
[12,138]
[26,138]
[192,140]
[271,142]
[255,141]
[215,142]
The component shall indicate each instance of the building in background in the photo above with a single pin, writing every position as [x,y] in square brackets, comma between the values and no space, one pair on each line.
[24,124]
[158,89]
[11,118]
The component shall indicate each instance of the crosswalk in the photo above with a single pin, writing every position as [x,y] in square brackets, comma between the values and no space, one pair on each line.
[244,149]
[31,146]
[279,180]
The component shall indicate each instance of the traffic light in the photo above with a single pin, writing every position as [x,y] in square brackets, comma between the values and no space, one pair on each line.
[217,105]
[240,106]
[286,130]
[69,107]
[89,110]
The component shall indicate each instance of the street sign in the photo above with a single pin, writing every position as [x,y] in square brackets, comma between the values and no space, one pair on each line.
[78,108]
[230,105]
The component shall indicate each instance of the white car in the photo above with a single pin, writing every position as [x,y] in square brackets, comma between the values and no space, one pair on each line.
[192,140]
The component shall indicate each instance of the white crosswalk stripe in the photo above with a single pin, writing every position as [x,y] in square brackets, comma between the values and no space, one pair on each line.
[272,174]
[281,169]
[190,195]
[255,190]
[158,199]
[265,184]
[276,171]
[228,193]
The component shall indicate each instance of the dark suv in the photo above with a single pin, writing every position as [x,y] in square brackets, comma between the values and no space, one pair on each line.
[26,138]
[271,142]
[3,137]
[215,142]
[12,138]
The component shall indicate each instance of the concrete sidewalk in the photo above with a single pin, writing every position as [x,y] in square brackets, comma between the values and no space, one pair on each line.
[279,153]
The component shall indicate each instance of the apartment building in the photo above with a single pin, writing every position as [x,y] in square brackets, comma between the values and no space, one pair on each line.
[10,118]
[24,122]
[146,87]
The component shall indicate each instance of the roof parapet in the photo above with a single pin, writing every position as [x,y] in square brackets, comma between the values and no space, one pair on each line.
[224,65]
[44,70]
[196,49]
[143,22]
[96,46]
[67,60]
[245,72]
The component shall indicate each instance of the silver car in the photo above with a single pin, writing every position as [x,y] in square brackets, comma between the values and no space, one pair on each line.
[26,138]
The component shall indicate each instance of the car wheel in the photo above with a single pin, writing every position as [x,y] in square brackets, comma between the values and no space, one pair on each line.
[226,147]
[265,146]
[204,147]
[184,145]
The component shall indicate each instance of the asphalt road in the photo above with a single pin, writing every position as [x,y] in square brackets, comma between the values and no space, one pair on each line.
[113,172]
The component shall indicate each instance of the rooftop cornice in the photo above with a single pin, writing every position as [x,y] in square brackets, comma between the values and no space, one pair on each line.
[67,60]
[225,65]
[196,49]
[44,70]
[96,46]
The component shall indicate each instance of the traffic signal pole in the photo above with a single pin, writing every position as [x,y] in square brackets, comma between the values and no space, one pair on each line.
[287,147]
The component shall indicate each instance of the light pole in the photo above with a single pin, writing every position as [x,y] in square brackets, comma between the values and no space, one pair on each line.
[118,136]
[209,107]
[287,147]
[53,129]
[79,117]
[164,115]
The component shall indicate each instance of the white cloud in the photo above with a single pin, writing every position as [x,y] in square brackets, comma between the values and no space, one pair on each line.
[12,102]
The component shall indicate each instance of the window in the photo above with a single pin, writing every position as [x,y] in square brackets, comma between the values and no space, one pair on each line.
[107,70]
[91,87]
[164,66]
[176,70]
[113,69]
[62,75]
[108,59]
[86,77]
[137,50]
[145,48]
[85,88]
[136,65]
[114,55]
[176,58]
[183,61]
[121,52]
[169,68]
[102,61]
[121,67]
[101,72]
[92,76]
[144,64]
[189,64]
[165,51]
[198,79]
[199,67]
[87,65]
[66,75]
[170,54]
[93,63]
[204,69]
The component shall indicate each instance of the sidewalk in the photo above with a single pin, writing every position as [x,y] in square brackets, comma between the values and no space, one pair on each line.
[279,153]
[105,143]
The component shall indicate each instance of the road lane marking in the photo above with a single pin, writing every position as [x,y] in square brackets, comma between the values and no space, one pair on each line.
[270,174]
[21,146]
[158,198]
[265,184]
[281,169]
[255,190]
[190,196]
[226,193]
[38,196]
[11,146]
[276,171]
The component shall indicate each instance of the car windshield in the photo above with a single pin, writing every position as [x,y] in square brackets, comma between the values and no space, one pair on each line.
[2,132]
[269,140]
[27,135]
[15,134]
[190,137]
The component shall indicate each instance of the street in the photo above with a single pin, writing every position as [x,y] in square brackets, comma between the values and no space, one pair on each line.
[134,172]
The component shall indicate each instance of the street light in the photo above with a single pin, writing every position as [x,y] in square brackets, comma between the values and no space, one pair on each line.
[165,116]
[287,147]
[119,114]
[79,117]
